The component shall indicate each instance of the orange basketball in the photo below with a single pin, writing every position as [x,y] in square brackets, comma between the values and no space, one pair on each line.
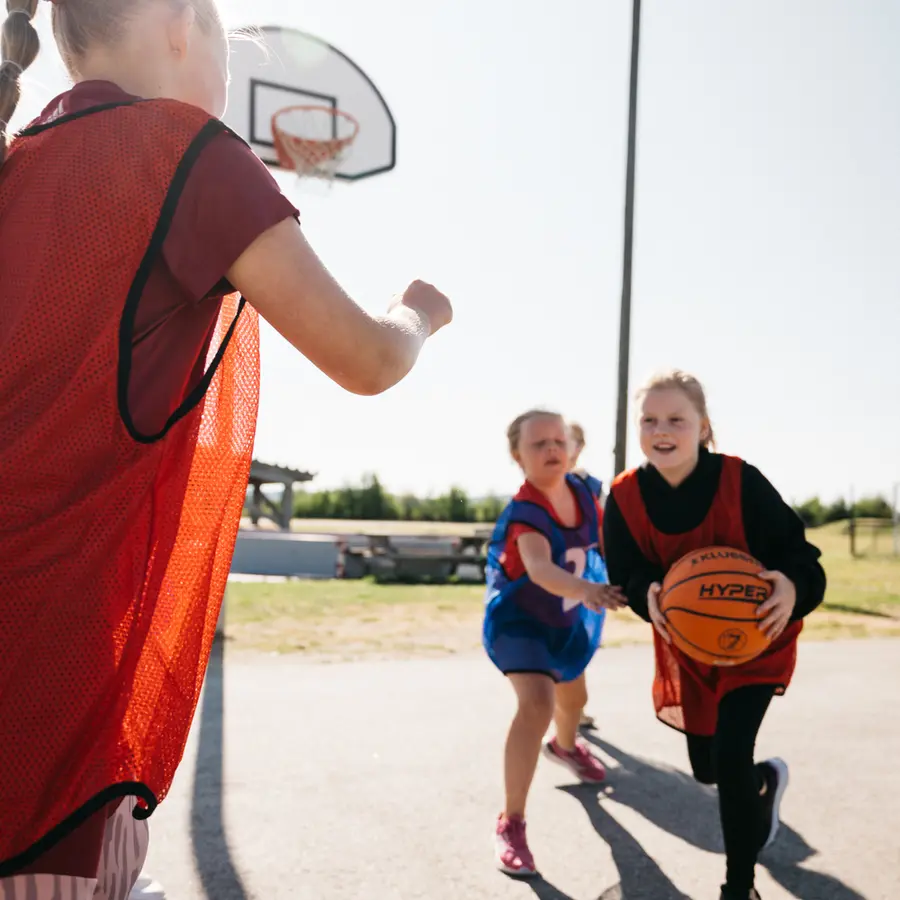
[710,599]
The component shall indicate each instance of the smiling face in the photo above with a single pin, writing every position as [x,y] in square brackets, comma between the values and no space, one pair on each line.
[544,450]
[672,432]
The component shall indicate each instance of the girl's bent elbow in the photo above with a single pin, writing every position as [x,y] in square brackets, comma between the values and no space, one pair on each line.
[377,377]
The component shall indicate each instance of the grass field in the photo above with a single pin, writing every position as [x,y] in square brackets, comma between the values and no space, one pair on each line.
[335,620]
[391,528]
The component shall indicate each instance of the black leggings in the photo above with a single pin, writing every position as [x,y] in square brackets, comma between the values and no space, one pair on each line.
[727,760]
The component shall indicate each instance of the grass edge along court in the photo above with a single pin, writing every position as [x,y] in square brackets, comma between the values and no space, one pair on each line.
[344,620]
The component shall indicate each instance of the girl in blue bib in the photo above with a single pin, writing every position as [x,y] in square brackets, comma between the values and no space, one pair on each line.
[547,594]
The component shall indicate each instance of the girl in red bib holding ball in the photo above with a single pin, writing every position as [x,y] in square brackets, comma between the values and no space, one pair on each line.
[686,498]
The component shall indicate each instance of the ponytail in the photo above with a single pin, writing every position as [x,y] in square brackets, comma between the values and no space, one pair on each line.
[19,45]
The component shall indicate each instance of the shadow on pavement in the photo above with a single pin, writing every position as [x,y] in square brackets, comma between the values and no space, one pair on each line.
[639,875]
[543,890]
[674,802]
[218,875]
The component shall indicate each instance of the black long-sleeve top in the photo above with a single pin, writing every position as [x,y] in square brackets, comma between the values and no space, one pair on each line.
[775,533]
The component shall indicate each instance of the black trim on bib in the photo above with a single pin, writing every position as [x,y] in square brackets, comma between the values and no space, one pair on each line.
[11,866]
[71,117]
[210,130]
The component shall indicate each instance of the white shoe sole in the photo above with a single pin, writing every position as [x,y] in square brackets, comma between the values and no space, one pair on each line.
[783,773]
[513,873]
[147,889]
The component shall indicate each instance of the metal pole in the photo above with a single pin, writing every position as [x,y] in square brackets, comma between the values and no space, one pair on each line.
[897,519]
[625,314]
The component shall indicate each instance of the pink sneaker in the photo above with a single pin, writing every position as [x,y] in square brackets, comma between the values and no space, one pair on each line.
[580,761]
[512,853]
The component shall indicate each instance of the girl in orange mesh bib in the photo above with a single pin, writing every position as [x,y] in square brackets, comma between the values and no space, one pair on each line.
[133,225]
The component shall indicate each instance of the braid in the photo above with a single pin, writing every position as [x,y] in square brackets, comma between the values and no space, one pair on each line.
[19,45]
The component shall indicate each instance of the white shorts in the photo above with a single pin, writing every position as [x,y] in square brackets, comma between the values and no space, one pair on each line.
[125,845]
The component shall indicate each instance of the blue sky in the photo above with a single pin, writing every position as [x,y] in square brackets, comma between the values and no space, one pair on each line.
[767,228]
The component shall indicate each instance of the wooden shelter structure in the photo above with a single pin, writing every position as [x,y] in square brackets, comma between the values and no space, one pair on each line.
[263,507]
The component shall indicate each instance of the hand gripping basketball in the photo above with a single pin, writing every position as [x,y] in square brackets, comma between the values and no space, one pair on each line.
[775,614]
[714,600]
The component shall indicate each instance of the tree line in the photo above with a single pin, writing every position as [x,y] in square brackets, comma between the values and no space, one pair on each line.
[371,501]
[814,513]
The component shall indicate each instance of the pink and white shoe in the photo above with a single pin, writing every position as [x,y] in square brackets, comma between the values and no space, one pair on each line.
[580,761]
[511,848]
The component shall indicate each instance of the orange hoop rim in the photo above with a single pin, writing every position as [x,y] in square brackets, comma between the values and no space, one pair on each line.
[318,150]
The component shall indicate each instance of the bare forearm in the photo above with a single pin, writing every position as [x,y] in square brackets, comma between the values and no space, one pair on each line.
[557,581]
[395,342]
[290,287]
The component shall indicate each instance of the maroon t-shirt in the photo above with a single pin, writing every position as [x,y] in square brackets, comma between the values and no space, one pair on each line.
[229,199]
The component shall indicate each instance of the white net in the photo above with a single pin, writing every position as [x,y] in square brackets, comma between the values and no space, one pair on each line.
[313,140]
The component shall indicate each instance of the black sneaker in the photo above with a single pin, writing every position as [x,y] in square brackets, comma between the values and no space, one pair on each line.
[775,771]
[732,894]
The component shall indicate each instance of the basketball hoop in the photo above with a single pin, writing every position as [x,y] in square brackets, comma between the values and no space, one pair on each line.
[313,140]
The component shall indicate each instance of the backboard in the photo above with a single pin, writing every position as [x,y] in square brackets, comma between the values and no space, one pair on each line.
[291,68]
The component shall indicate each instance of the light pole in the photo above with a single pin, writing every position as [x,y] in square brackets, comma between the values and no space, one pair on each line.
[625,315]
